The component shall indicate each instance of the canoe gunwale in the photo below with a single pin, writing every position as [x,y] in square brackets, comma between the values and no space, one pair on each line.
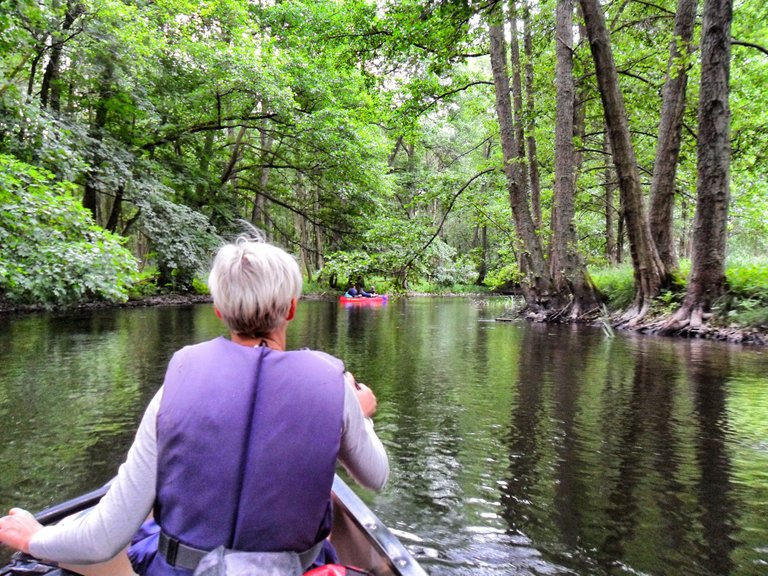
[393,558]
[361,538]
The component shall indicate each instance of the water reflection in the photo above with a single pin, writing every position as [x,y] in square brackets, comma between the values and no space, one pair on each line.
[515,448]
[717,512]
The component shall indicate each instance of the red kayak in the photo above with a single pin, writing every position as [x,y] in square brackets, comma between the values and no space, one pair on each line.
[378,299]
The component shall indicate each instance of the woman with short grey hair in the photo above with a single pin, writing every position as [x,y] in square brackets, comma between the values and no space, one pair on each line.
[239,446]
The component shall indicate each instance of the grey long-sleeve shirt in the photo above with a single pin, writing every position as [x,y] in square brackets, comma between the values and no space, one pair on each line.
[109,527]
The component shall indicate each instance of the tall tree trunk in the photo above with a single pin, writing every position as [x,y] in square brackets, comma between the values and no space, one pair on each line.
[621,235]
[517,100]
[648,270]
[670,133]
[117,209]
[482,231]
[610,239]
[530,124]
[319,234]
[258,214]
[302,228]
[583,94]
[568,272]
[609,185]
[91,194]
[684,246]
[537,283]
[706,281]
[33,71]
[50,90]
[480,240]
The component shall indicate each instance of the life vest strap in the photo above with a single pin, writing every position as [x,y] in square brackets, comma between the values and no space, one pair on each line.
[178,554]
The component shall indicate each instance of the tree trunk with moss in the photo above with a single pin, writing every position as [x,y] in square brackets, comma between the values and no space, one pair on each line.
[537,284]
[574,291]
[706,281]
[648,269]
[670,132]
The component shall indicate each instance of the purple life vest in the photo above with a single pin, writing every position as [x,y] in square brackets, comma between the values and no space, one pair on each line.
[247,444]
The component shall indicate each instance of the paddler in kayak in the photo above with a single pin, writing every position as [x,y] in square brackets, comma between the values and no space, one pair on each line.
[239,446]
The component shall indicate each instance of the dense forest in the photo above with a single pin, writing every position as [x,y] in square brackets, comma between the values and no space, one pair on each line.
[517,145]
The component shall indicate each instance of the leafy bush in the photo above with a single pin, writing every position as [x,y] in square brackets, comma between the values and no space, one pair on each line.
[346,265]
[53,253]
[145,284]
[507,275]
[426,287]
[503,277]
[445,267]
[199,286]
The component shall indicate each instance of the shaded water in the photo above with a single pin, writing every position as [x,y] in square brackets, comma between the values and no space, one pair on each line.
[515,448]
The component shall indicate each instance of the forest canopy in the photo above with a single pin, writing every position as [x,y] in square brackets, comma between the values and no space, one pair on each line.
[488,143]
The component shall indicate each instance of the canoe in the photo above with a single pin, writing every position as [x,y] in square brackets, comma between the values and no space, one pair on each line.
[378,299]
[360,539]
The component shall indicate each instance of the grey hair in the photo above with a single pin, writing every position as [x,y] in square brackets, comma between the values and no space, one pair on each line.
[253,283]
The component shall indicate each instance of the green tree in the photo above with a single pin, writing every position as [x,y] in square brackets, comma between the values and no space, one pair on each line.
[53,253]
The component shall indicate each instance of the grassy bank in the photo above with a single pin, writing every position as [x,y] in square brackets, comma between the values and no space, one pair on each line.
[744,305]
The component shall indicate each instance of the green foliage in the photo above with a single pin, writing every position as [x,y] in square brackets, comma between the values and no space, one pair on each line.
[616,284]
[506,275]
[746,300]
[503,277]
[200,286]
[52,142]
[145,284]
[345,266]
[748,279]
[424,286]
[670,299]
[445,267]
[744,304]
[346,128]
[53,254]
[182,238]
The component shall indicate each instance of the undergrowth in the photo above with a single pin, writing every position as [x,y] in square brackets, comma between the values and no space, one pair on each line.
[745,302]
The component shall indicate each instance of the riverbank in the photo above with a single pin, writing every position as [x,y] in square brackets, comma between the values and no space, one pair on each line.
[746,335]
[615,322]
[157,300]
[733,334]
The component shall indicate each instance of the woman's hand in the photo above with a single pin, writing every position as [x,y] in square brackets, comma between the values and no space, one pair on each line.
[367,399]
[17,529]
[365,396]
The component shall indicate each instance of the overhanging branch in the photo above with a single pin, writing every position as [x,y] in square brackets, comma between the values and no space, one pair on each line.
[445,215]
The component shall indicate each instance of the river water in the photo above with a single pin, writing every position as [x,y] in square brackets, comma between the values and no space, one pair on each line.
[514,448]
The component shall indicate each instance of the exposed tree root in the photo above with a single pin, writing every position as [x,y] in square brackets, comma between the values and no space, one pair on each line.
[633,318]
[688,320]
[688,323]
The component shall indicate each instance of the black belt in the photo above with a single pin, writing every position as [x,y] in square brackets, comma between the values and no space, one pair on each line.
[188,557]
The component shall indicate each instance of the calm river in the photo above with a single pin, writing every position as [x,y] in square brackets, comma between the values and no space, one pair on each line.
[515,448]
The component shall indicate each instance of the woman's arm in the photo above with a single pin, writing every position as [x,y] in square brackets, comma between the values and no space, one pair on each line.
[362,454]
[107,529]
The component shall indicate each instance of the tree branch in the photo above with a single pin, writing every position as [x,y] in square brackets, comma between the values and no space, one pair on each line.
[291,208]
[442,96]
[750,45]
[445,215]
[220,124]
